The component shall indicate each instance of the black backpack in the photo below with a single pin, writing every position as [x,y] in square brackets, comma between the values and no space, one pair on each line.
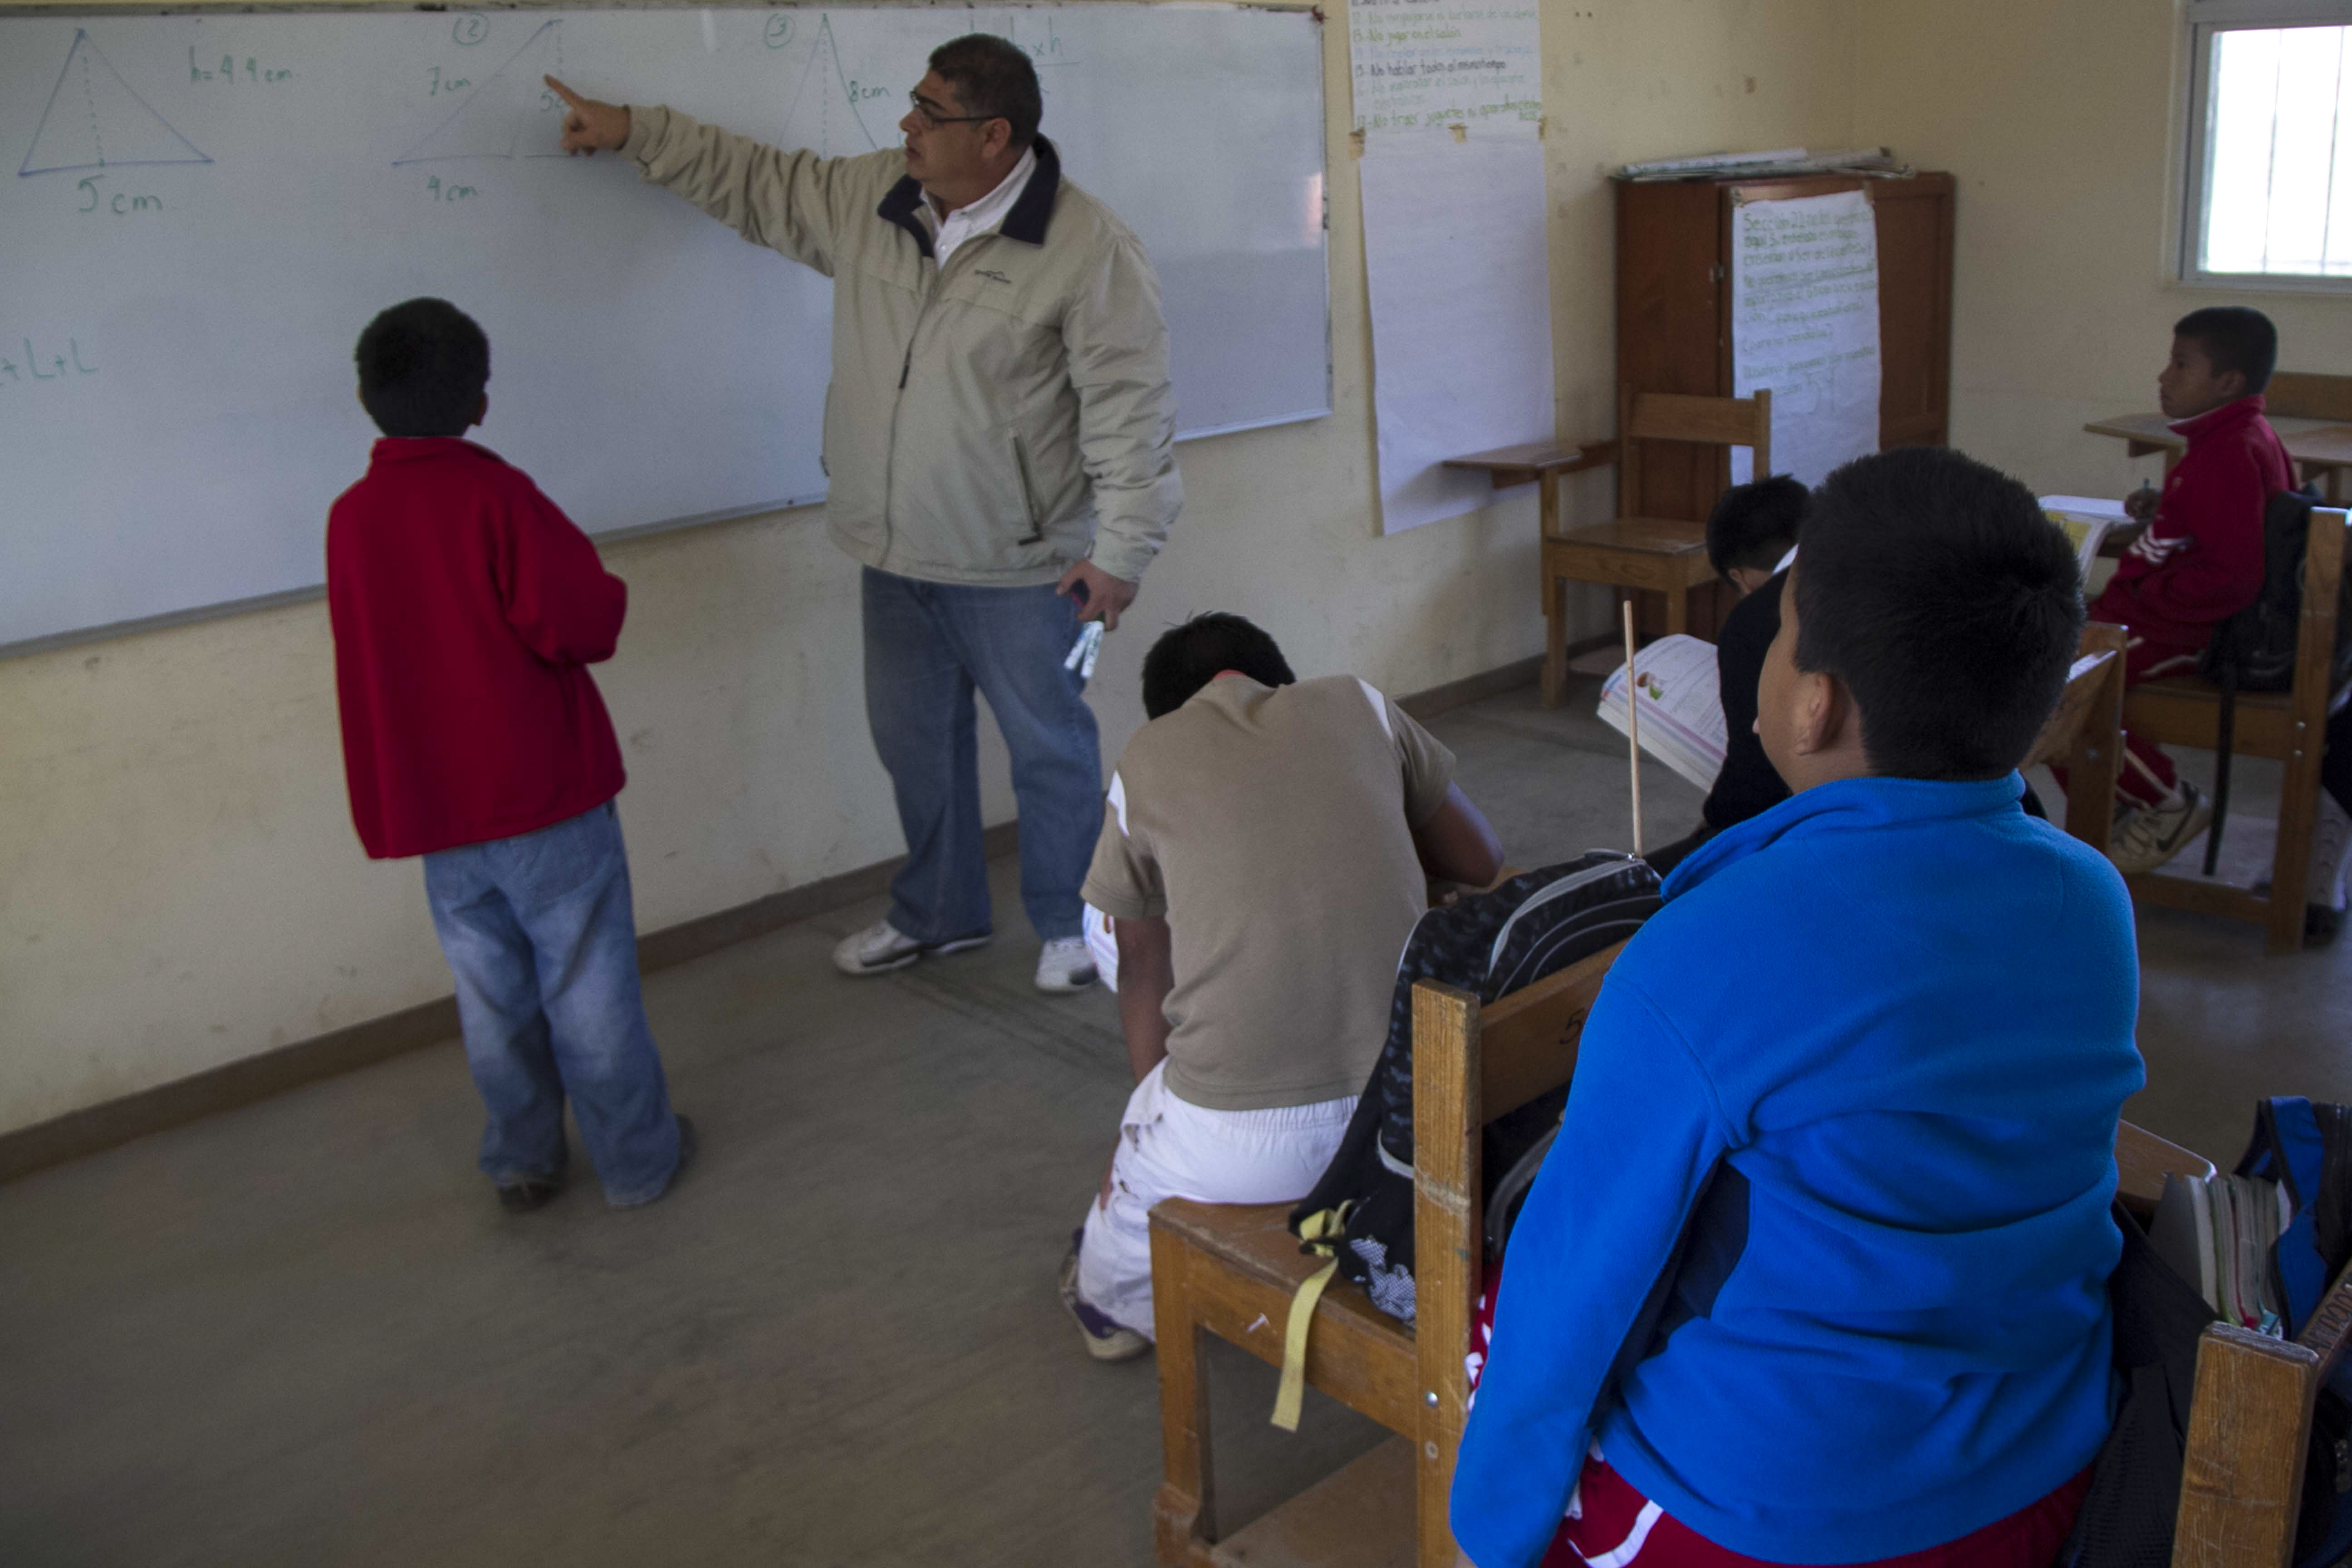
[2254,650]
[1490,944]
[2127,1518]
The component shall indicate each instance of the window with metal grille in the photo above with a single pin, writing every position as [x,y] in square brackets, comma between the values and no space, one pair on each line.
[2270,151]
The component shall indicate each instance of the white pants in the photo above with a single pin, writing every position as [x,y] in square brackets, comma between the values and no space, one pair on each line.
[1103,943]
[1168,1148]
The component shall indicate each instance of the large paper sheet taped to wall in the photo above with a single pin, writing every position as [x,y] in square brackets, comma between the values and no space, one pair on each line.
[1456,253]
[1419,65]
[1804,323]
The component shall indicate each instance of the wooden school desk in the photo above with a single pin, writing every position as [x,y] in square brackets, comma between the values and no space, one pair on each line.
[2319,448]
[1542,462]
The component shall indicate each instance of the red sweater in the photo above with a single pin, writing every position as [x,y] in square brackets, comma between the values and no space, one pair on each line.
[466,607]
[2200,560]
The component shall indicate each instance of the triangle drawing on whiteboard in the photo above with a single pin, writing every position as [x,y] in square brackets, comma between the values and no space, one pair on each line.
[823,112]
[512,115]
[95,120]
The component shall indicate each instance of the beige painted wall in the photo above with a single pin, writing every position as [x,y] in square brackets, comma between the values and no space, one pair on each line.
[179,883]
[2061,119]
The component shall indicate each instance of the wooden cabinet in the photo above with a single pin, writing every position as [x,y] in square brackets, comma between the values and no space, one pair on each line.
[1674,322]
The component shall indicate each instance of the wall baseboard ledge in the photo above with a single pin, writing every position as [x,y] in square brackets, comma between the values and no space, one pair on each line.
[258,1076]
[271,1072]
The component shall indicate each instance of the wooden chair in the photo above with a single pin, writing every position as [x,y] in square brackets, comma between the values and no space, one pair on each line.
[2304,395]
[1667,556]
[2084,734]
[1542,463]
[2249,1427]
[1232,1270]
[2290,726]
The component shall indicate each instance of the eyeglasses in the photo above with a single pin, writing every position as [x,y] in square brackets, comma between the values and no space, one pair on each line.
[932,118]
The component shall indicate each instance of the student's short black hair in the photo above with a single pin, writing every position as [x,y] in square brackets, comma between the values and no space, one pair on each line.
[2234,337]
[1934,587]
[993,78]
[1755,524]
[423,365]
[1188,656]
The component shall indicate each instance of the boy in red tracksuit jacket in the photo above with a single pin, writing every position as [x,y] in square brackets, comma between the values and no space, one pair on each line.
[2200,560]
[466,609]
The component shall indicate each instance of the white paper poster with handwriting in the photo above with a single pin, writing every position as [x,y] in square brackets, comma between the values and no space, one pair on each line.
[1804,323]
[1422,64]
[1455,255]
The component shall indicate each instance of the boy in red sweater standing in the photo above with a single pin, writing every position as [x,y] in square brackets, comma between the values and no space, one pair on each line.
[466,609]
[2200,560]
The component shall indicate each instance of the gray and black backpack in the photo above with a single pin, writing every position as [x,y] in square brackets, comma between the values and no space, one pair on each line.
[1489,944]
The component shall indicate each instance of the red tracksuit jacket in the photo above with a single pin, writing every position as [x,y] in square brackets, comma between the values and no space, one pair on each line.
[2200,560]
[466,607]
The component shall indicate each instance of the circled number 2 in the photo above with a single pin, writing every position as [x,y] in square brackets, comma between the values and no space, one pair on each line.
[470,28]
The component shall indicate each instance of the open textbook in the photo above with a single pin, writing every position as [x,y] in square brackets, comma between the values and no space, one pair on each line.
[2087,521]
[1682,706]
[2217,1233]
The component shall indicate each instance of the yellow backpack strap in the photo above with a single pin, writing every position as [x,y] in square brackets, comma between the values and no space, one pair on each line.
[1321,1231]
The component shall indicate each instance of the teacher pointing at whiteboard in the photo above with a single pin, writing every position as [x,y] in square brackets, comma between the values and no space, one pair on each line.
[999,443]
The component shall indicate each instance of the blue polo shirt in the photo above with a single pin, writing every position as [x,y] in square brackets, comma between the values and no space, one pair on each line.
[1819,1261]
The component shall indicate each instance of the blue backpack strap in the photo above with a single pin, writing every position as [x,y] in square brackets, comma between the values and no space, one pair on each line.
[2260,1158]
[2300,1153]
[2295,1132]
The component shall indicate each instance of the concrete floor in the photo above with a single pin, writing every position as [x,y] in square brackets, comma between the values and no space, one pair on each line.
[302,1333]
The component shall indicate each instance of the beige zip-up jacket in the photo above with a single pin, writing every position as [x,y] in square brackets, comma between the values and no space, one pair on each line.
[989,423]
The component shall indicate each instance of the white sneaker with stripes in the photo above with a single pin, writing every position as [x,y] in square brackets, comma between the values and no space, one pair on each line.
[2149,836]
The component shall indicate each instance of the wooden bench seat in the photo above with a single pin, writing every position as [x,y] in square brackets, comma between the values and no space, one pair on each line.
[1357,1354]
[2249,1436]
[1671,551]
[1232,1271]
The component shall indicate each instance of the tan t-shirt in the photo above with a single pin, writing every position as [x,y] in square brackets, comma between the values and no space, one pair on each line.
[1273,828]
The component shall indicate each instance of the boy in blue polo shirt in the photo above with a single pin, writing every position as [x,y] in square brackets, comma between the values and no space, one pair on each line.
[1816,1272]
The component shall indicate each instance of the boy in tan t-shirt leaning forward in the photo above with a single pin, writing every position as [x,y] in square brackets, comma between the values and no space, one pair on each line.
[1265,850]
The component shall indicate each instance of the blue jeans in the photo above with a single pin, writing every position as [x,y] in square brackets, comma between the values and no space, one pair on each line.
[539,932]
[928,647]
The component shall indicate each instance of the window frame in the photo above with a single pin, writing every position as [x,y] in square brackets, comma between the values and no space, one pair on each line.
[2207,19]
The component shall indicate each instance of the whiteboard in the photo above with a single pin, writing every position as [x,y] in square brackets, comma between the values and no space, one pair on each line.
[201,212]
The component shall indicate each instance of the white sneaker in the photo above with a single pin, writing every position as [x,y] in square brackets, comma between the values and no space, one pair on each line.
[1066,966]
[2155,834]
[883,947]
